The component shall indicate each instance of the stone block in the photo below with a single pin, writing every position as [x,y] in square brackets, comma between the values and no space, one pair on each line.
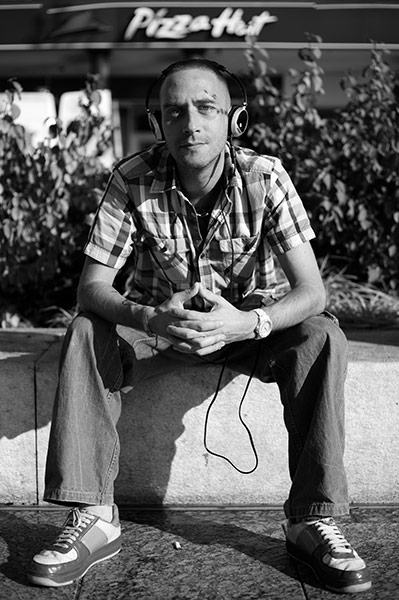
[19,353]
[163,457]
[372,417]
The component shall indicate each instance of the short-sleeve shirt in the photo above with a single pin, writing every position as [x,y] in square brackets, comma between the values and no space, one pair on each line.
[145,217]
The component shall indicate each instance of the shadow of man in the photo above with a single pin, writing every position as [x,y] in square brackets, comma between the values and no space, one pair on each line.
[217,536]
[153,419]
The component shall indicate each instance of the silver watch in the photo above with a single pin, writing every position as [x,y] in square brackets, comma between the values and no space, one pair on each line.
[264,325]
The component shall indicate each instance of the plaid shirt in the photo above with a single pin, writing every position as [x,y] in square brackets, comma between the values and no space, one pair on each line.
[144,216]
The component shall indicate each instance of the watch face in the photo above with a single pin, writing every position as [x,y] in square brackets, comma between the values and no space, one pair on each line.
[264,329]
[264,325]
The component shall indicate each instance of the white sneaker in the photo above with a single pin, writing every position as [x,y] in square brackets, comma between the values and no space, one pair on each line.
[83,541]
[320,544]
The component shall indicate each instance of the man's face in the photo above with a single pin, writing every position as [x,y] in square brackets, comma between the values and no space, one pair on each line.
[194,106]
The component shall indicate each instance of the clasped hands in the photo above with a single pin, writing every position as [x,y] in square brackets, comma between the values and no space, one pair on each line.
[194,332]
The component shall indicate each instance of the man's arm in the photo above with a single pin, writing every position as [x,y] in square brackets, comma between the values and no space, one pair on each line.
[306,298]
[96,294]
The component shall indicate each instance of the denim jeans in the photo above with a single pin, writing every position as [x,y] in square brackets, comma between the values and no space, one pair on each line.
[99,360]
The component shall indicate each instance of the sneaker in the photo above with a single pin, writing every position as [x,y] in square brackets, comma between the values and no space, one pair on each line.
[83,541]
[322,546]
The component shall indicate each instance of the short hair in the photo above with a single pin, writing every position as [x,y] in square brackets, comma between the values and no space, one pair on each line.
[196,63]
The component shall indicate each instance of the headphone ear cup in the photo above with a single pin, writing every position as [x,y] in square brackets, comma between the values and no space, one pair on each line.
[154,120]
[238,120]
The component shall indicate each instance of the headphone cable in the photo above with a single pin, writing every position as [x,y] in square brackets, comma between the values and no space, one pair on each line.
[222,373]
[239,416]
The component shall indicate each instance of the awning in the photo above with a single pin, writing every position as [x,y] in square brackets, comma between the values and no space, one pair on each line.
[75,24]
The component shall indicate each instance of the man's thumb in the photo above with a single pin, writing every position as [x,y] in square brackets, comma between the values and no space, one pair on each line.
[189,293]
[208,295]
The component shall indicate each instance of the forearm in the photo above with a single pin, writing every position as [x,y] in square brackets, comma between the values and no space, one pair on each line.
[104,300]
[306,297]
[298,304]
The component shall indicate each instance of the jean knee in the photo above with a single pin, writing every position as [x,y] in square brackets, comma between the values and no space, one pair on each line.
[89,332]
[93,341]
[327,331]
[85,324]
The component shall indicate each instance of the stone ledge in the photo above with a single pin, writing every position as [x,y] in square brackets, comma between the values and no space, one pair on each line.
[163,459]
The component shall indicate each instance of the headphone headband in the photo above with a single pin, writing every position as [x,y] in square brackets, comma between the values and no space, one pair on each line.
[238,116]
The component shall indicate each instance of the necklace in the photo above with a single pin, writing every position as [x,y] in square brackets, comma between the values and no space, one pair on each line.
[207,202]
[202,214]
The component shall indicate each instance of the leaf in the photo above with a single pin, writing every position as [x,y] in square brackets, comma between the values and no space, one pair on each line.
[317,53]
[15,111]
[327,180]
[6,229]
[318,84]
[15,86]
[53,130]
[341,191]
[95,97]
[306,54]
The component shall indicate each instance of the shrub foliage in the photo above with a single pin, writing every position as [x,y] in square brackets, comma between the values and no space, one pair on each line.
[345,166]
[48,195]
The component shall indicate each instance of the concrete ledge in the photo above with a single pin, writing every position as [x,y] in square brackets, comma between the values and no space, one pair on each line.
[163,459]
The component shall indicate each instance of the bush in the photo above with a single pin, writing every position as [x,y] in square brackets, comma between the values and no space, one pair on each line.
[345,167]
[48,196]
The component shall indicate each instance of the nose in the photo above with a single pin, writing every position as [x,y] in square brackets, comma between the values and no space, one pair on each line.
[191,123]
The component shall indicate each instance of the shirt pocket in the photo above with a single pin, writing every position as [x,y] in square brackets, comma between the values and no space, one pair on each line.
[239,256]
[171,256]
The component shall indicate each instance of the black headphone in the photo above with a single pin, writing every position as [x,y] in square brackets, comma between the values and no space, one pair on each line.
[238,115]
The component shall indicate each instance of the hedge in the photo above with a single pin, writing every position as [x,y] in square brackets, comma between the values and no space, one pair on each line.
[48,196]
[345,166]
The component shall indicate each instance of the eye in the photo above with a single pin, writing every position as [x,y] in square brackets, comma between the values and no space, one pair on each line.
[173,112]
[207,109]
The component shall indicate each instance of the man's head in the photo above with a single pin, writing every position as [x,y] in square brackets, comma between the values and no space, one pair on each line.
[195,104]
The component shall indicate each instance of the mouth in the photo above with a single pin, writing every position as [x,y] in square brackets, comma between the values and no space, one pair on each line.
[192,144]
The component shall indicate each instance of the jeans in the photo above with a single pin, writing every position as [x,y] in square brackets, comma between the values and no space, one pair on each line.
[99,360]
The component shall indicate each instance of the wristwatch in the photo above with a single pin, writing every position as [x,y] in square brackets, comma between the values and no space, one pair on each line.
[264,325]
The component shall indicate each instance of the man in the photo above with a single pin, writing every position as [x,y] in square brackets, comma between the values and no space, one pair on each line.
[200,219]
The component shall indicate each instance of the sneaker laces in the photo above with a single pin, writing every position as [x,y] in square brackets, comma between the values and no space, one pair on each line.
[75,524]
[330,532]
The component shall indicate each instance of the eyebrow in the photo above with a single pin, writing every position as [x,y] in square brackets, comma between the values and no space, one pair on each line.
[207,99]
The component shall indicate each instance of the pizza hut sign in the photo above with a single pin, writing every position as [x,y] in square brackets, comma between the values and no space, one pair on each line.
[157,24]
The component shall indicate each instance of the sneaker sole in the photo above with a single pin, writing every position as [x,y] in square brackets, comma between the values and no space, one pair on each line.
[348,589]
[48,582]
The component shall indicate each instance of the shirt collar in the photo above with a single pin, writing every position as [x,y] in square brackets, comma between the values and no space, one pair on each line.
[165,173]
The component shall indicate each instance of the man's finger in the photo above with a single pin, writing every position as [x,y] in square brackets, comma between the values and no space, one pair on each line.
[198,324]
[212,298]
[186,348]
[185,295]
[192,330]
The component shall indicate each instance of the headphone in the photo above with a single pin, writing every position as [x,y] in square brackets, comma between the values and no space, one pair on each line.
[238,115]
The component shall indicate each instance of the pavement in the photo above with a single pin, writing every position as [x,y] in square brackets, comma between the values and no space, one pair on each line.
[202,554]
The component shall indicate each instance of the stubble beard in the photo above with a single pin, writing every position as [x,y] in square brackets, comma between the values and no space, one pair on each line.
[195,162]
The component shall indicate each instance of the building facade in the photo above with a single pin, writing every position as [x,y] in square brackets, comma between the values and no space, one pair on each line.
[54,44]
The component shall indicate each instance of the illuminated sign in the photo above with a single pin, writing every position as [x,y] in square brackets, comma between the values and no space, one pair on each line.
[156,24]
[198,24]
